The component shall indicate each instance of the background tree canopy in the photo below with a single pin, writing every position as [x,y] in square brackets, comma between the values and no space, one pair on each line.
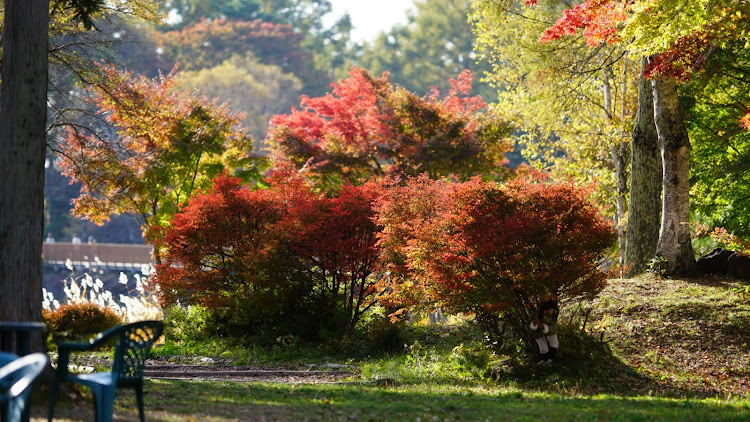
[573,103]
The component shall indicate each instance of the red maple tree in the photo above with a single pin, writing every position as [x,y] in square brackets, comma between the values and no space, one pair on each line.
[597,18]
[369,128]
[335,239]
[217,243]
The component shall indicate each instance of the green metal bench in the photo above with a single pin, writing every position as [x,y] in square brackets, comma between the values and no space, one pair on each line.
[133,346]
[16,377]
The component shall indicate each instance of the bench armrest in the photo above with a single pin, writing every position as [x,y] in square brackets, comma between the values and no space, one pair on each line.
[92,344]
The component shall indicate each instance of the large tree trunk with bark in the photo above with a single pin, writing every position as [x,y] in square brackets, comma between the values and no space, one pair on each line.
[674,241]
[23,107]
[644,208]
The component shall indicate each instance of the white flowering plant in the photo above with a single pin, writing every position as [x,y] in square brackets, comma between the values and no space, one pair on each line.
[140,303]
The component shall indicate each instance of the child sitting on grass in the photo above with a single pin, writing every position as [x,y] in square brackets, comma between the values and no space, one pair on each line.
[544,330]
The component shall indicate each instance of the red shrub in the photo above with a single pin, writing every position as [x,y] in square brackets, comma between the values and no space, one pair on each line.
[217,243]
[260,255]
[493,250]
[336,241]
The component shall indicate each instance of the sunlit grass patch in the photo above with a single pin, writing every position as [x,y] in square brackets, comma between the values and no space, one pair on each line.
[226,401]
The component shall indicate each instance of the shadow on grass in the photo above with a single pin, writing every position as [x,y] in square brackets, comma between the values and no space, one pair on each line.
[717,280]
[587,365]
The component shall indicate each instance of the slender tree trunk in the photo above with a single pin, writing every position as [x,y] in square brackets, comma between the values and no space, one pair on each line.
[618,152]
[644,208]
[674,241]
[619,159]
[23,111]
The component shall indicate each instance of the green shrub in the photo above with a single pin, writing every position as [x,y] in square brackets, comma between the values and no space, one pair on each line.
[474,357]
[384,335]
[186,324]
[79,321]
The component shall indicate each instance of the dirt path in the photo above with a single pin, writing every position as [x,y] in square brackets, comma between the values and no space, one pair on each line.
[242,373]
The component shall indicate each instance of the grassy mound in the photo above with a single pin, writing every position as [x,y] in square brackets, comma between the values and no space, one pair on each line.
[685,336]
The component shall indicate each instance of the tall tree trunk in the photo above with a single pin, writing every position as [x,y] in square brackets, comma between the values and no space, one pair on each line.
[674,241]
[23,111]
[644,208]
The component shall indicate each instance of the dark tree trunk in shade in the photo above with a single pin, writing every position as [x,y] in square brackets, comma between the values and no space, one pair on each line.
[23,111]
[644,208]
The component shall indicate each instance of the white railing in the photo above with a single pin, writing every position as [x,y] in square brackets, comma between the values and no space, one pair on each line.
[117,255]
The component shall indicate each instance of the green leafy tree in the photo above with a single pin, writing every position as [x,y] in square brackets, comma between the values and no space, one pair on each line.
[328,43]
[677,36]
[253,88]
[718,98]
[165,146]
[576,104]
[435,44]
[190,12]
[306,15]
[674,36]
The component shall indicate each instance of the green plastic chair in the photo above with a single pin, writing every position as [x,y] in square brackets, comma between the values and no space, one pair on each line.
[16,377]
[133,346]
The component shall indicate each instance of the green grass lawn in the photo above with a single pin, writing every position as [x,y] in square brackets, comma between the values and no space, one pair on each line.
[652,350]
[354,401]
